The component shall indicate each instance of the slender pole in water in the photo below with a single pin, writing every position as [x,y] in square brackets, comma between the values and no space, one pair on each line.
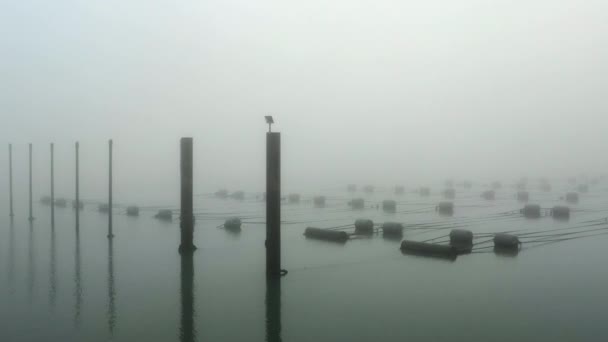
[10,179]
[52,185]
[30,167]
[273,204]
[110,234]
[77,190]
[186,213]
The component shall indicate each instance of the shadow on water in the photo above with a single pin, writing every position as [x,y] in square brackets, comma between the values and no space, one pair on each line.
[53,269]
[111,289]
[31,277]
[77,281]
[273,310]
[187,333]
[11,256]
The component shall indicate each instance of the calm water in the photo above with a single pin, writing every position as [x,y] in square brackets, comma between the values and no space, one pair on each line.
[59,286]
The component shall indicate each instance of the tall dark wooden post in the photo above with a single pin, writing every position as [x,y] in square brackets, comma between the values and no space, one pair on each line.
[77,189]
[187,332]
[52,186]
[110,233]
[273,204]
[10,179]
[187,211]
[31,218]
[273,310]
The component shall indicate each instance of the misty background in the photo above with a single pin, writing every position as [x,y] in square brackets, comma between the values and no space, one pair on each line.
[375,92]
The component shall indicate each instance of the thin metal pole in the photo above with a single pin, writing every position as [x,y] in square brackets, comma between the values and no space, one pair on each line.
[77,189]
[186,213]
[30,192]
[10,179]
[273,204]
[110,234]
[52,185]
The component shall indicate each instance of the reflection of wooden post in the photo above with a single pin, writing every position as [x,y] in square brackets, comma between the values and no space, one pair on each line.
[110,233]
[187,331]
[52,185]
[31,206]
[187,211]
[273,204]
[273,310]
[77,189]
[10,179]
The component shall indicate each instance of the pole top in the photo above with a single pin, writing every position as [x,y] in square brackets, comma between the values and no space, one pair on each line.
[269,121]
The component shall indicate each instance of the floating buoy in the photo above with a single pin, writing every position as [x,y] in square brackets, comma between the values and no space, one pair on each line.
[364,226]
[389,206]
[164,214]
[46,200]
[103,208]
[326,234]
[424,191]
[233,224]
[399,190]
[238,195]
[488,195]
[506,241]
[428,249]
[77,205]
[351,188]
[221,193]
[531,211]
[357,203]
[449,193]
[61,203]
[368,189]
[392,229]
[461,236]
[445,208]
[560,212]
[132,211]
[319,201]
[523,196]
[572,197]
[293,198]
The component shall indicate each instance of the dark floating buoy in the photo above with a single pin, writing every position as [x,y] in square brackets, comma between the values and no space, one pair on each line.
[326,234]
[424,191]
[364,226]
[103,208]
[523,196]
[392,230]
[132,211]
[496,185]
[46,200]
[504,241]
[449,193]
[445,208]
[572,197]
[61,203]
[319,201]
[461,240]
[238,195]
[77,205]
[399,190]
[293,198]
[368,189]
[351,188]
[233,224]
[389,206]
[221,193]
[428,249]
[357,203]
[488,195]
[531,211]
[560,212]
[164,215]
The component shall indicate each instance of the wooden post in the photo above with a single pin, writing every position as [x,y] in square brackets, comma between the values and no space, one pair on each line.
[10,179]
[187,332]
[52,186]
[77,189]
[110,233]
[273,310]
[273,204]
[31,218]
[186,213]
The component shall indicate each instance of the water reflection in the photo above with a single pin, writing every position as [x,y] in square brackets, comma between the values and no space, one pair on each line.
[11,256]
[77,280]
[273,310]
[187,333]
[111,289]
[31,264]
[52,270]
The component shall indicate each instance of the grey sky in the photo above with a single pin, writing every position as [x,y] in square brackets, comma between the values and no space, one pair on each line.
[364,91]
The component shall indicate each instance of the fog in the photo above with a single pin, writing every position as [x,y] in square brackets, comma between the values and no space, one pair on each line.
[379,92]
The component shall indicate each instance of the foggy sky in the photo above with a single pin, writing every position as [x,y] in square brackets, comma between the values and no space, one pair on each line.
[378,92]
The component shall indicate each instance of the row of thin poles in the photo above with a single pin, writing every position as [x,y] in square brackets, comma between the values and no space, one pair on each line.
[77,204]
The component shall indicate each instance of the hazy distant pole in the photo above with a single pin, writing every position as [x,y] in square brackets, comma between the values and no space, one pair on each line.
[30,167]
[187,211]
[110,234]
[52,185]
[10,179]
[273,204]
[77,189]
